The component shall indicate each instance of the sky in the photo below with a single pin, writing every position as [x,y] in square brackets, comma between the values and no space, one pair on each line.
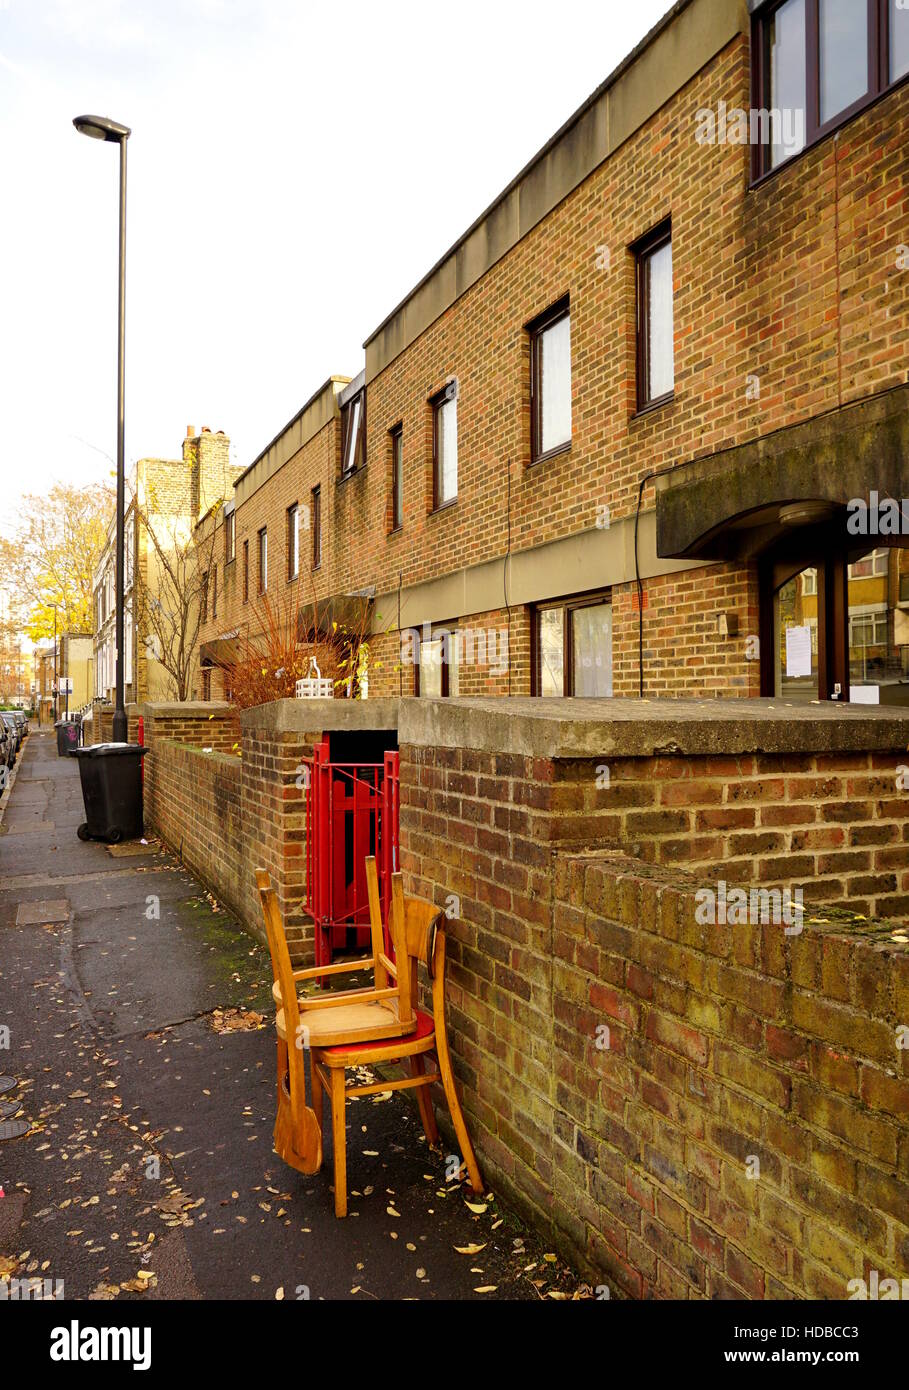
[295,168]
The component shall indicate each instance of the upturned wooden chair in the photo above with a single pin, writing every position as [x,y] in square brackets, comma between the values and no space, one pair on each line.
[417,931]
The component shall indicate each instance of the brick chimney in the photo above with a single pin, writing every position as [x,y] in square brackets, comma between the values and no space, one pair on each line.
[211,475]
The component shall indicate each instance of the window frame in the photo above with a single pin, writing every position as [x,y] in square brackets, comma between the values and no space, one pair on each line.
[204,595]
[437,635]
[572,604]
[230,538]
[359,452]
[397,478]
[537,330]
[644,249]
[316,515]
[879,83]
[214,591]
[246,570]
[449,393]
[262,549]
[293,542]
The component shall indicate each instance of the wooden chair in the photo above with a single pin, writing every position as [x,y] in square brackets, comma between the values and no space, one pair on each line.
[353,1029]
[417,930]
[341,1018]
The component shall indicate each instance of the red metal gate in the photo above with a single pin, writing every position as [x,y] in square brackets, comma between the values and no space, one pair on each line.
[351,813]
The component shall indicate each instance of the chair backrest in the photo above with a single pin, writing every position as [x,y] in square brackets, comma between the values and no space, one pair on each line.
[280,955]
[417,932]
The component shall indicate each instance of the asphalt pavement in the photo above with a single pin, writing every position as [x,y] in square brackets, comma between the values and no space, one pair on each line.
[147,1081]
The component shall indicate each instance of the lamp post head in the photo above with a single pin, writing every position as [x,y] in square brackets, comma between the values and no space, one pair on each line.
[102,128]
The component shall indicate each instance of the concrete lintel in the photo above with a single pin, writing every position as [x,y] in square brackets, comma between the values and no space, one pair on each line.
[645,728]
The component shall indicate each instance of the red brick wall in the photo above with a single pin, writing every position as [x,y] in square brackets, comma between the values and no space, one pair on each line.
[193,802]
[726,1043]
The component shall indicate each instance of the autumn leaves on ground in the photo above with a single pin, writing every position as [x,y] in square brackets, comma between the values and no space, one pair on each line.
[141,1043]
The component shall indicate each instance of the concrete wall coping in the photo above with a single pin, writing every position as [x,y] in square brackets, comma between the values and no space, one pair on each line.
[187,709]
[322,716]
[648,728]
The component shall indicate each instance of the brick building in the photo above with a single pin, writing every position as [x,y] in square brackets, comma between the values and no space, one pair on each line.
[168,498]
[608,444]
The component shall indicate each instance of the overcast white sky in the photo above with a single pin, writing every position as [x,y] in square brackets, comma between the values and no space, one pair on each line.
[286,190]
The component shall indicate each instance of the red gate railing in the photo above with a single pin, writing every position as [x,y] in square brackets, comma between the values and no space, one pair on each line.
[351,813]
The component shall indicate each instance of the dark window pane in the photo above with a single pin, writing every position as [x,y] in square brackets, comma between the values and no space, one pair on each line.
[788,79]
[591,640]
[660,351]
[899,40]
[552,651]
[843,41]
[555,373]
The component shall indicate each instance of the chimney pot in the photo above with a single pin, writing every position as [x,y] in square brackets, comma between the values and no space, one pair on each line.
[190,431]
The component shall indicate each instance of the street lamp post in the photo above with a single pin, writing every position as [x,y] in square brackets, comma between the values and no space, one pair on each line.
[102,128]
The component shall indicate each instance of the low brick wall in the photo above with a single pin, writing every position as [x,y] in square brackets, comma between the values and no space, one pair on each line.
[193,802]
[725,1044]
[214,725]
[742,1128]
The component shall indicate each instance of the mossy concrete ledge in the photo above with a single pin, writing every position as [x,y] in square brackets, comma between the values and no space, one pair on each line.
[322,716]
[650,728]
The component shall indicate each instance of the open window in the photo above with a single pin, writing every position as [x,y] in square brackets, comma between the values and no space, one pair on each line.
[353,434]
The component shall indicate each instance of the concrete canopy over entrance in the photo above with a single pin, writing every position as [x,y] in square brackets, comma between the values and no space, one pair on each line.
[733,505]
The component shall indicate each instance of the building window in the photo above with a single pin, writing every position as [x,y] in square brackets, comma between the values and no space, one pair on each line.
[655,321]
[573,641]
[550,383]
[818,62]
[205,597]
[445,446]
[246,571]
[263,560]
[230,538]
[809,582]
[437,670]
[206,683]
[353,434]
[316,527]
[397,478]
[214,591]
[293,541]
[873,566]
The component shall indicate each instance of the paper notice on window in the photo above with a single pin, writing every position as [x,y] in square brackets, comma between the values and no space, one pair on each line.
[865,695]
[798,652]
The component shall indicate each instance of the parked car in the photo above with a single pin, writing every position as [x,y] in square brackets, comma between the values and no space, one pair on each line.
[22,719]
[14,731]
[7,755]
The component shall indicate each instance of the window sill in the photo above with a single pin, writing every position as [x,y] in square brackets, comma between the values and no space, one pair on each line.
[396,531]
[652,406]
[550,455]
[354,473]
[444,507]
[831,129]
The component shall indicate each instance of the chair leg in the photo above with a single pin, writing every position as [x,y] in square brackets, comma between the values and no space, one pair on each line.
[339,1135]
[318,1094]
[457,1116]
[430,1128]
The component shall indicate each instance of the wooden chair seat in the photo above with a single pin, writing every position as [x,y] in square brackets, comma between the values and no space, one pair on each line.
[350,1023]
[421,1040]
